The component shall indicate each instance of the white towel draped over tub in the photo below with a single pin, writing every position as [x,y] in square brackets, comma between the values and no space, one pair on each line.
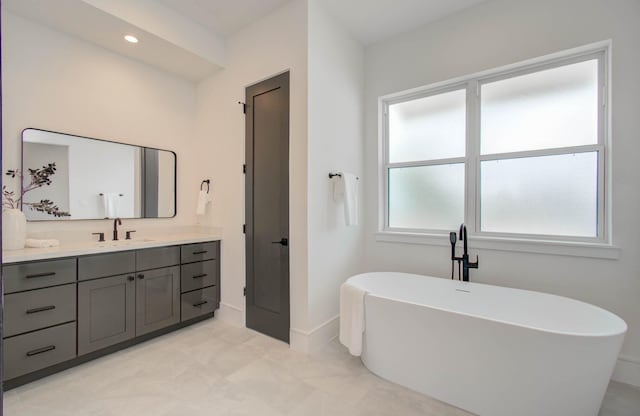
[352,317]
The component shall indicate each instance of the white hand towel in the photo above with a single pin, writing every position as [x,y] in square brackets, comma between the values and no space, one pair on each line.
[110,201]
[352,317]
[35,243]
[350,186]
[203,199]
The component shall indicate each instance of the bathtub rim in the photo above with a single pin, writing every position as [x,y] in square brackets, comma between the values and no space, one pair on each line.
[621,332]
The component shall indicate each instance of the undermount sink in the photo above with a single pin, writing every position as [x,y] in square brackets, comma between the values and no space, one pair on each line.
[121,243]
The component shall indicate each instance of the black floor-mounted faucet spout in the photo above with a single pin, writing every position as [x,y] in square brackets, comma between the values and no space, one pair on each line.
[466,264]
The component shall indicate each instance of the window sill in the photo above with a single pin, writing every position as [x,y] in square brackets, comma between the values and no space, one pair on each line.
[556,248]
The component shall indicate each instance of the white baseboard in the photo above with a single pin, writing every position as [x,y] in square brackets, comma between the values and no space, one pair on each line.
[231,315]
[627,371]
[318,337]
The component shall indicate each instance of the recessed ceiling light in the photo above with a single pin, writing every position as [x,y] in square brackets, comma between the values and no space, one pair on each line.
[131,38]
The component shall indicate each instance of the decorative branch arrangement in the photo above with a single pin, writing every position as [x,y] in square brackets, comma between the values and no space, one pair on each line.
[39,178]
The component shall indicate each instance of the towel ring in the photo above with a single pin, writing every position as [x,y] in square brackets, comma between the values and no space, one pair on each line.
[207,181]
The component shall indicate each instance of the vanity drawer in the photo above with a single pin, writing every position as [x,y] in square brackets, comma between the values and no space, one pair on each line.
[198,302]
[37,274]
[199,252]
[103,265]
[30,352]
[198,275]
[155,258]
[35,309]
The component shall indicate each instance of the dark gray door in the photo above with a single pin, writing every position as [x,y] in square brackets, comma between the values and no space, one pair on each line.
[106,310]
[157,299]
[267,206]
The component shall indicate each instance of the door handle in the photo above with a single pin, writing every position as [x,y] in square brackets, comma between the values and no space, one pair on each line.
[282,242]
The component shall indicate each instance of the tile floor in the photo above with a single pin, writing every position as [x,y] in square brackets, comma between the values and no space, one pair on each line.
[213,368]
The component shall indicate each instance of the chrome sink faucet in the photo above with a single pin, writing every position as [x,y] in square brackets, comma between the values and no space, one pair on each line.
[116,222]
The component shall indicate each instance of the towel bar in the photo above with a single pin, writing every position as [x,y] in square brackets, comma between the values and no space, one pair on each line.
[101,194]
[331,175]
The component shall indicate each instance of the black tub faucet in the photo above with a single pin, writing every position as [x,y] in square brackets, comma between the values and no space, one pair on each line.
[116,222]
[466,264]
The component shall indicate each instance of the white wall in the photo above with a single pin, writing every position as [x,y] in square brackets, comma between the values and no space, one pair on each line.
[336,94]
[57,82]
[274,44]
[497,33]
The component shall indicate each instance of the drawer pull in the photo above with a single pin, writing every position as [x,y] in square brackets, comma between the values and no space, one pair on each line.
[42,309]
[195,253]
[41,350]
[199,304]
[198,276]
[31,276]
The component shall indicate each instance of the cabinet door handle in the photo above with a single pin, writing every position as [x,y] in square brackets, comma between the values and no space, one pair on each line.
[41,350]
[198,276]
[140,276]
[130,278]
[32,276]
[199,252]
[42,309]
[199,304]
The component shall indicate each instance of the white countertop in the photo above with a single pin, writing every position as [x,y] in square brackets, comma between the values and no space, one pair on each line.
[93,247]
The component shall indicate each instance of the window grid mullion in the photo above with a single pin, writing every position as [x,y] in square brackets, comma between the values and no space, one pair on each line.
[419,163]
[386,164]
[472,214]
[542,152]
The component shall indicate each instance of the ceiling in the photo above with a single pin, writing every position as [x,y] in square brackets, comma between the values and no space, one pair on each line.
[374,20]
[223,17]
[369,20]
[81,19]
[181,36]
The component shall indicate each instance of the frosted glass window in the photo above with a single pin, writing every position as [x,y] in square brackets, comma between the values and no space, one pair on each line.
[549,195]
[428,128]
[427,197]
[548,109]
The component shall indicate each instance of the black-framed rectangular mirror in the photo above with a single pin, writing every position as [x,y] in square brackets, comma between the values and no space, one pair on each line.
[97,179]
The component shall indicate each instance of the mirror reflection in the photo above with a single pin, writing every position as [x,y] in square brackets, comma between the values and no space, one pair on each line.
[96,179]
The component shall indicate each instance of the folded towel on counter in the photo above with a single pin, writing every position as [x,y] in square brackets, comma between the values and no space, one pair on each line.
[35,243]
[352,317]
[203,199]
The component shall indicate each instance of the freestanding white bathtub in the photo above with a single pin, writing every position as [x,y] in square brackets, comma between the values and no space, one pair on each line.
[490,350]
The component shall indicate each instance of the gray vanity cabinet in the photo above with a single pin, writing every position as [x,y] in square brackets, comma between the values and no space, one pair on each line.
[106,312]
[117,308]
[200,279]
[157,299]
[62,312]
[39,315]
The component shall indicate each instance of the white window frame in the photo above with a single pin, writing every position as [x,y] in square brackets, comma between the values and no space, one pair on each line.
[600,246]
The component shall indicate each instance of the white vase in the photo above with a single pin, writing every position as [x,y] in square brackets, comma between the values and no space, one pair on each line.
[14,229]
